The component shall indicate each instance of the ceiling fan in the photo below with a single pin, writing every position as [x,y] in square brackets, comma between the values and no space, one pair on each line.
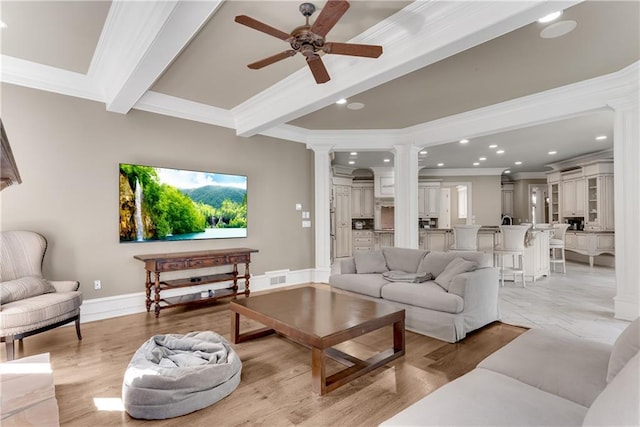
[309,39]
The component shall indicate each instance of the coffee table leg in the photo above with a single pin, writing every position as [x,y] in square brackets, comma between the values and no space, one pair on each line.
[235,327]
[398,337]
[318,371]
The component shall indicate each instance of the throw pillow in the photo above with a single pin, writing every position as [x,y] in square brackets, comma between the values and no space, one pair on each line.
[455,267]
[435,262]
[370,262]
[24,287]
[403,259]
[626,346]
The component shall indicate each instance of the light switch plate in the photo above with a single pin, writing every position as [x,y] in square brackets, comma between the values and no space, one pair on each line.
[298,206]
[305,215]
[306,224]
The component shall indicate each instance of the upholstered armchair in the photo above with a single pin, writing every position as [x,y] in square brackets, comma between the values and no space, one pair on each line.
[30,304]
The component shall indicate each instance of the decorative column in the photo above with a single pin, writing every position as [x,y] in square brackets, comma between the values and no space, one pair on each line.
[406,196]
[322,184]
[626,155]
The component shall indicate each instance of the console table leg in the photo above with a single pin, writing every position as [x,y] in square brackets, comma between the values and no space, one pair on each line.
[235,327]
[157,296]
[147,285]
[246,279]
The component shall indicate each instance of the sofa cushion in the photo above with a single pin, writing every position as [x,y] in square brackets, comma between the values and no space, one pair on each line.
[403,259]
[625,347]
[487,398]
[436,262]
[426,295]
[24,287]
[570,367]
[617,405]
[32,313]
[368,262]
[455,267]
[366,284]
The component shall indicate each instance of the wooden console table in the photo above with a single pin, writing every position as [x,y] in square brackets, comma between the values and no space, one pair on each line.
[160,263]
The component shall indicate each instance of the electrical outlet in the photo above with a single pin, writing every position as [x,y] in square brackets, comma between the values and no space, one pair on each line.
[97,284]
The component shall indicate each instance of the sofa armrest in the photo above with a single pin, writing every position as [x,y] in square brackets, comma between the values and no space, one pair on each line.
[479,290]
[343,266]
[65,285]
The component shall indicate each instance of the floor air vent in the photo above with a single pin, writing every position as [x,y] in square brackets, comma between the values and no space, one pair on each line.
[277,277]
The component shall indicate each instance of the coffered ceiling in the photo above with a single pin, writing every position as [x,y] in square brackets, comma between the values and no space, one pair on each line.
[188,59]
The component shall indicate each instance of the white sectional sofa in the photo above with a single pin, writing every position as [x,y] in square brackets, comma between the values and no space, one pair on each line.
[461,297]
[541,378]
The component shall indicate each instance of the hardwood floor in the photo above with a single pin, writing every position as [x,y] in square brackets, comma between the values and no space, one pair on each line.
[275,389]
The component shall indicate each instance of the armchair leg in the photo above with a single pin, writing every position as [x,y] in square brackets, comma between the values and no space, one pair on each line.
[9,346]
[78,333]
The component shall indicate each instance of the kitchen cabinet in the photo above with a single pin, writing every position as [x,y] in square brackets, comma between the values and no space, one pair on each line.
[554,203]
[590,243]
[385,239]
[507,199]
[342,198]
[362,202]
[434,240]
[573,197]
[600,214]
[363,240]
[428,200]
[536,258]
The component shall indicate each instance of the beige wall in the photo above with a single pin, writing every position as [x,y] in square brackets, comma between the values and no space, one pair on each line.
[68,151]
[486,193]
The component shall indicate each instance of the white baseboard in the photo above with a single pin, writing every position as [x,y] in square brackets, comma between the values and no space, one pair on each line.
[122,305]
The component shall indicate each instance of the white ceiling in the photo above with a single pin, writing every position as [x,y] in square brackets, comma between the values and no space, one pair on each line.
[188,59]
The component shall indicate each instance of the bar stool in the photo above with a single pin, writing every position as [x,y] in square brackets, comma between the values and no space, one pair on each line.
[465,237]
[513,245]
[557,242]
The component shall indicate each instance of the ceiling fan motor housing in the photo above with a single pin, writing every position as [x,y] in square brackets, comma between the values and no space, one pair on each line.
[302,40]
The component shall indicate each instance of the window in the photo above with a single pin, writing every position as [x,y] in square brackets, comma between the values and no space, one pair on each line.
[462,201]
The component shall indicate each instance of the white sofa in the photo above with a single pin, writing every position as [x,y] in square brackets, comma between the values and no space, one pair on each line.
[461,297]
[542,378]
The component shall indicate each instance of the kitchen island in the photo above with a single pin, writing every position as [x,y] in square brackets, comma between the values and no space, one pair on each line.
[590,242]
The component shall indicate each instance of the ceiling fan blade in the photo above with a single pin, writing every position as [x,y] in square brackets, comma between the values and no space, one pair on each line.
[260,26]
[330,14]
[270,60]
[368,50]
[318,69]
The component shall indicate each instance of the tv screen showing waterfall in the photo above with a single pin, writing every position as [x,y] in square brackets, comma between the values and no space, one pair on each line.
[160,204]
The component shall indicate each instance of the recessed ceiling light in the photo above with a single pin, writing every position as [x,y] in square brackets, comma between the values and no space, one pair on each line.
[387,160]
[551,153]
[558,29]
[476,163]
[353,153]
[355,106]
[507,171]
[464,141]
[550,17]
[351,162]
[482,159]
[601,137]
[341,101]
[440,164]
[423,152]
[493,146]
[500,152]
[518,163]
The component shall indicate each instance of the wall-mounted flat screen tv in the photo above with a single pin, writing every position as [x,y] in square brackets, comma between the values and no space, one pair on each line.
[159,204]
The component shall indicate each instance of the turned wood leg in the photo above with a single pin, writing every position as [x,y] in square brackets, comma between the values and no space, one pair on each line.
[147,285]
[590,262]
[235,279]
[246,279]
[157,296]
[78,328]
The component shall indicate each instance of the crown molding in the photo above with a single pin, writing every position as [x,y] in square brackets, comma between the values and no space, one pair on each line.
[418,35]
[604,155]
[422,172]
[528,175]
[43,77]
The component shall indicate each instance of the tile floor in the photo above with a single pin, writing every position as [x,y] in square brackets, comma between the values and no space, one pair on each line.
[579,303]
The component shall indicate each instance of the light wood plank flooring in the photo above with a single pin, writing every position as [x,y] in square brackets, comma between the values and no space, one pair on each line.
[276,378]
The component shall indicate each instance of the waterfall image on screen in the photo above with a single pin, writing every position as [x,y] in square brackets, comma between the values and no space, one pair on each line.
[173,204]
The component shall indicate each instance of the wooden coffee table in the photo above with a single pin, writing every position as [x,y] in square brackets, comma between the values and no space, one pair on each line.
[321,319]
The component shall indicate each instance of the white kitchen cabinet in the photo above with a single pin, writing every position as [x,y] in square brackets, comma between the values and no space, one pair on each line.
[507,199]
[385,240]
[590,243]
[573,197]
[600,213]
[554,202]
[362,202]
[428,200]
[536,258]
[342,197]
[363,240]
[436,240]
